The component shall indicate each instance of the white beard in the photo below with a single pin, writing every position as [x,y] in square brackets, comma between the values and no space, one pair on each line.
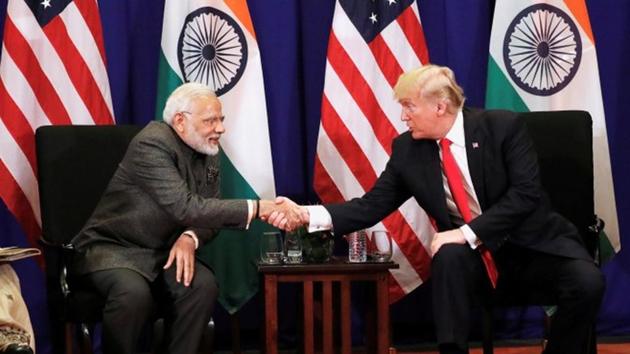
[200,144]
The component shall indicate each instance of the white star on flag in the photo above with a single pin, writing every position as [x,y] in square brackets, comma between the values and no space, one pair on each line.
[373,18]
[46,3]
[391,2]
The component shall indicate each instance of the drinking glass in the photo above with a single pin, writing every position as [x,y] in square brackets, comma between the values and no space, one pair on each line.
[357,246]
[271,248]
[380,246]
[293,247]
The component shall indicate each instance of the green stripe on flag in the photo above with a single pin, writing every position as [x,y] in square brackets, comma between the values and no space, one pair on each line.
[225,254]
[500,93]
[606,250]
[168,81]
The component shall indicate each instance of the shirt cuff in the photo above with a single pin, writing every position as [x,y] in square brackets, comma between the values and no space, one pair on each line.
[192,235]
[470,236]
[250,212]
[319,218]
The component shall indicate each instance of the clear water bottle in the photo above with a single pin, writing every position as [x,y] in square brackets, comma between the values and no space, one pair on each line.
[357,246]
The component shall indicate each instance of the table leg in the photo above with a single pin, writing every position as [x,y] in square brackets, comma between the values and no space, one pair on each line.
[327,320]
[309,347]
[382,316]
[271,314]
[346,335]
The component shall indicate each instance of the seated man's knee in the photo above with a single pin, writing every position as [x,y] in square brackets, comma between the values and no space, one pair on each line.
[593,283]
[588,282]
[450,255]
[204,282]
[451,252]
[132,294]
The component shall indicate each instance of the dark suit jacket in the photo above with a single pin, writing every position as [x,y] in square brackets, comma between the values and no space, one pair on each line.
[504,170]
[161,188]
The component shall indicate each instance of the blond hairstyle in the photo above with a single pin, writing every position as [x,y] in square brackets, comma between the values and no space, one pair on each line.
[431,81]
[181,99]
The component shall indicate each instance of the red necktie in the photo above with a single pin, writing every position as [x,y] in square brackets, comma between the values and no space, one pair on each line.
[456,185]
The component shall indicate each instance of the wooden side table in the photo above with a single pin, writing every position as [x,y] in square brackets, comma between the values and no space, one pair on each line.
[338,270]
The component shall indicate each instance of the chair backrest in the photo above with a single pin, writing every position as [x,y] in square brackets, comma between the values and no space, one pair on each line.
[75,164]
[564,143]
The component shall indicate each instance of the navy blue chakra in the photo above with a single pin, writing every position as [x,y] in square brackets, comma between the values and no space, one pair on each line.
[542,49]
[212,49]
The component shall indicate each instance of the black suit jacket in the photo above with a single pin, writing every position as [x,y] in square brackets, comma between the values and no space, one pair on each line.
[504,170]
[161,188]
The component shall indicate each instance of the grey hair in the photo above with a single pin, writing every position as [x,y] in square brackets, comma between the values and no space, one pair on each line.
[181,99]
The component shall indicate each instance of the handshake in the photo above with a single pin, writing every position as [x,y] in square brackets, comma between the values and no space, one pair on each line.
[283,213]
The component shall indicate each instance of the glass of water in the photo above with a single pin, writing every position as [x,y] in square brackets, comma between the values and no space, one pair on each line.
[293,246]
[357,246]
[380,246]
[271,248]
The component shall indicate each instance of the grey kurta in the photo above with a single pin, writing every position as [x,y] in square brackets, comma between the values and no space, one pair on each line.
[161,188]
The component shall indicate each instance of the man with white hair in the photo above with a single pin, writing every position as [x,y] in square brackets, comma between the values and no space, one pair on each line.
[161,205]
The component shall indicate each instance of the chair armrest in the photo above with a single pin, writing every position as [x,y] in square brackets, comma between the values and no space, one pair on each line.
[58,258]
[594,232]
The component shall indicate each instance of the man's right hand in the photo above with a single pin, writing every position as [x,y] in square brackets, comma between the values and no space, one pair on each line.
[283,213]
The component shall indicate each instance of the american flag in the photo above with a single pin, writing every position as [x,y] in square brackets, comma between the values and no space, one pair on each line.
[371,43]
[52,71]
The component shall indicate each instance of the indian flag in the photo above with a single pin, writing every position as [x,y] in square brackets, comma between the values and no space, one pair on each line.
[213,42]
[542,57]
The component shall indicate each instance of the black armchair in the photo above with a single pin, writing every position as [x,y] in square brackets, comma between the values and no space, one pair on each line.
[564,143]
[75,164]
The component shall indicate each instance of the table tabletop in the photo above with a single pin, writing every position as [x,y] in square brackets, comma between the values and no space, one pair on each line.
[335,265]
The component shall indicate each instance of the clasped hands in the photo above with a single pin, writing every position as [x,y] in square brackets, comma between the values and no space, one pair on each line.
[283,213]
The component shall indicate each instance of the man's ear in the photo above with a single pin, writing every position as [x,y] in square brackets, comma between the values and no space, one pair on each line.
[178,122]
[442,107]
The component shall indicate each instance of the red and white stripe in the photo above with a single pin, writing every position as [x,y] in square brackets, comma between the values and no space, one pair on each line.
[50,75]
[360,119]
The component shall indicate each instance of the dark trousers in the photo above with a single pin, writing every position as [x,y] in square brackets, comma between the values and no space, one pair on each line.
[131,301]
[460,282]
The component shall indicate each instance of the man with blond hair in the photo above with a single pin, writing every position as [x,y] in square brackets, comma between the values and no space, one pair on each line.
[160,206]
[475,172]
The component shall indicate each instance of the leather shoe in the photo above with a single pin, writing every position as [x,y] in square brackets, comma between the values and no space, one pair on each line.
[17,349]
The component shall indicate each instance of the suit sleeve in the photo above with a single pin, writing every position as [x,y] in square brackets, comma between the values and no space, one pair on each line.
[153,167]
[523,191]
[387,194]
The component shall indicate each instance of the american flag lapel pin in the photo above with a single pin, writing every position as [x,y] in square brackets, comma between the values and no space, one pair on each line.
[475,145]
